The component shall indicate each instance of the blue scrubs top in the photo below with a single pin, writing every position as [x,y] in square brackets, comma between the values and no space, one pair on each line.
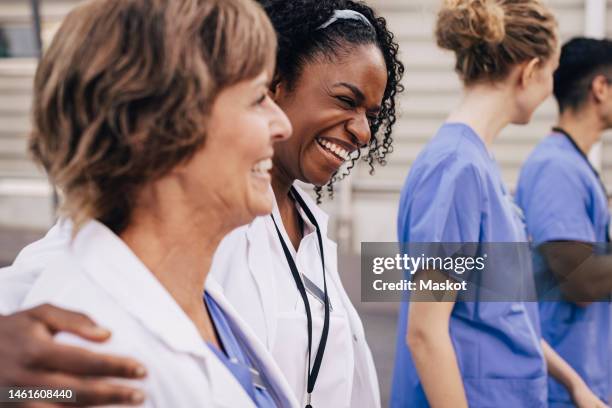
[563,200]
[235,359]
[454,193]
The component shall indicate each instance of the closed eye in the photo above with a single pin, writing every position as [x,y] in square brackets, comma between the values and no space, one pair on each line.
[261,99]
[347,101]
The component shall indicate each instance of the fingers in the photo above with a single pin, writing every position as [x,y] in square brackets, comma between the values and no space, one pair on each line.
[90,392]
[30,357]
[77,361]
[57,320]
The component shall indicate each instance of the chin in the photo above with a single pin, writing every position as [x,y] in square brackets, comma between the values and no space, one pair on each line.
[261,204]
[522,119]
[318,182]
[318,178]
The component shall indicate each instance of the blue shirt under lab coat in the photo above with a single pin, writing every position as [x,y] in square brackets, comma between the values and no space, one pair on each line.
[235,357]
[454,193]
[563,200]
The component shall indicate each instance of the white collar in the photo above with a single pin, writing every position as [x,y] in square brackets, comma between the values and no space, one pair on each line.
[320,215]
[107,260]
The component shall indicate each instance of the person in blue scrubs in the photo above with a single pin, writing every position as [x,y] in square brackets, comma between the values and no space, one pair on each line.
[477,354]
[566,209]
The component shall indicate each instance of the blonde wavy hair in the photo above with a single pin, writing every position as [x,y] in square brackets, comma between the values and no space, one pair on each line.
[123,94]
[489,37]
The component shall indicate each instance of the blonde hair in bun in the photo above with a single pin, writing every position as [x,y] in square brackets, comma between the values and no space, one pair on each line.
[489,37]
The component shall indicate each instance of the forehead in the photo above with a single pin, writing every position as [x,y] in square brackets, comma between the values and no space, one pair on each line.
[361,65]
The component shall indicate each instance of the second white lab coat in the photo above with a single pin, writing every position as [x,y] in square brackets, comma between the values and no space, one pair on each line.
[254,295]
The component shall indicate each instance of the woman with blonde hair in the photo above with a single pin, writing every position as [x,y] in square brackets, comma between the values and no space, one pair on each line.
[153,119]
[459,353]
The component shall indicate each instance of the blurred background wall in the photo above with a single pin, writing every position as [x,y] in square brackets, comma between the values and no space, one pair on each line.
[364,207]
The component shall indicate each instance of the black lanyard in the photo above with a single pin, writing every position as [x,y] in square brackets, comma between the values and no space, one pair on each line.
[586,159]
[314,373]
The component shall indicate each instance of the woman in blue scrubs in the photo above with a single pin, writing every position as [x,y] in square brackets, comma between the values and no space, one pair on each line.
[455,354]
[567,217]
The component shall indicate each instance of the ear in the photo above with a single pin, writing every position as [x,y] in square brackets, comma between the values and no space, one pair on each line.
[278,89]
[600,88]
[528,72]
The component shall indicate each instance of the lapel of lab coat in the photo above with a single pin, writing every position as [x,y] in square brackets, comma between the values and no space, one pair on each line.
[364,363]
[266,361]
[260,265]
[260,268]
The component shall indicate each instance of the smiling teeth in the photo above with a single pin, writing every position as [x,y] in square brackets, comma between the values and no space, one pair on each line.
[339,151]
[262,166]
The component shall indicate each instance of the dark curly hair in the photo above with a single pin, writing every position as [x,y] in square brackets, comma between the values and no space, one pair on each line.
[582,59]
[300,40]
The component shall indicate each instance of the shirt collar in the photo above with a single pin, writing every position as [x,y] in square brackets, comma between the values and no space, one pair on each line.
[261,222]
[568,142]
[320,215]
[108,261]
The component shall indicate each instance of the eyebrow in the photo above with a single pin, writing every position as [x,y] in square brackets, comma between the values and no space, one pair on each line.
[358,95]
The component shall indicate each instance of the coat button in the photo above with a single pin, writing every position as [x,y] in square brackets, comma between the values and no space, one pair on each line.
[355,338]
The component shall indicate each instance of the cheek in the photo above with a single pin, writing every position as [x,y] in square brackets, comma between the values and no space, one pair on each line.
[288,152]
[250,137]
[541,92]
[230,155]
[608,113]
[544,86]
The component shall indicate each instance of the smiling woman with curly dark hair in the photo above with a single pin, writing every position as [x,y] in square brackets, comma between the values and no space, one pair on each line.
[302,41]
[337,80]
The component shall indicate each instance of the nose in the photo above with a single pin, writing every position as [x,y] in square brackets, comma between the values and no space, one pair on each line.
[280,126]
[359,128]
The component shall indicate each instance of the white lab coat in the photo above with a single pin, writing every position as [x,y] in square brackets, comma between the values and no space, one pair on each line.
[97,274]
[254,296]
[17,279]
[241,267]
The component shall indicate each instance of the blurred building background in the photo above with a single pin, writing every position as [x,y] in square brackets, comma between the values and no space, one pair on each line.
[364,208]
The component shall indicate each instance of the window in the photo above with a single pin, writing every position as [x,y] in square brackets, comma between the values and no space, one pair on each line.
[17,41]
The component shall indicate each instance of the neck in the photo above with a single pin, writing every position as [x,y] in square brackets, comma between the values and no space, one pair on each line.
[281,184]
[485,109]
[177,244]
[584,127]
